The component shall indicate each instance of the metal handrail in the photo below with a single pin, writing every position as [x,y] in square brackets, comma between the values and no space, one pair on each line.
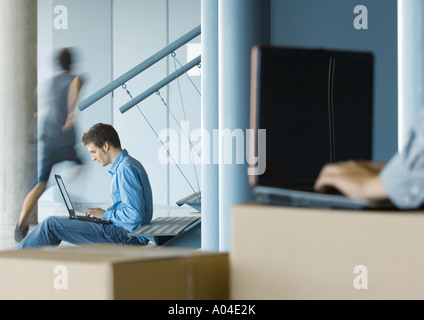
[160,84]
[139,68]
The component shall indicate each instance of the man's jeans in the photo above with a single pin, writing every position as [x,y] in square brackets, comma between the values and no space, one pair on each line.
[53,230]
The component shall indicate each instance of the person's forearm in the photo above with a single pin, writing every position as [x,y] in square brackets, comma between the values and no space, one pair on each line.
[374,189]
[72,103]
[355,179]
[122,215]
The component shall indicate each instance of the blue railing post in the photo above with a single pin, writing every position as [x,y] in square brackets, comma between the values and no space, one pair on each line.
[160,84]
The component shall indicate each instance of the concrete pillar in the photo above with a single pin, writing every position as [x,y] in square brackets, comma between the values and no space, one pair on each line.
[18,80]
[410,64]
[209,120]
[241,25]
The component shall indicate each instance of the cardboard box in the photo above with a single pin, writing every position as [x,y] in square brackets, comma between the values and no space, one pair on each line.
[300,253]
[113,272]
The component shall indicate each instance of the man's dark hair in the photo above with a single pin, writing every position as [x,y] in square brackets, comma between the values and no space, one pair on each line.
[64,58]
[101,133]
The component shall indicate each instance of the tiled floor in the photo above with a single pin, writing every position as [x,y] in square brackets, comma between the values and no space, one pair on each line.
[7,241]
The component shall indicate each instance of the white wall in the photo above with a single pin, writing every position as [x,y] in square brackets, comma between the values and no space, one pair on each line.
[183,16]
[140,29]
[113,36]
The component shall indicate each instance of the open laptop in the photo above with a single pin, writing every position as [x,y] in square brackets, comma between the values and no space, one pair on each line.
[316,106]
[70,206]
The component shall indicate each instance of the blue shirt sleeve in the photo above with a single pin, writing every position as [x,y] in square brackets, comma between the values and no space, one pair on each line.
[403,176]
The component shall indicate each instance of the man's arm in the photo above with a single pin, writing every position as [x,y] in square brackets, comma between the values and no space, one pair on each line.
[355,179]
[401,180]
[74,90]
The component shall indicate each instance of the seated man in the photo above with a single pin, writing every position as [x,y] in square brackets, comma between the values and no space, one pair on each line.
[401,180]
[131,195]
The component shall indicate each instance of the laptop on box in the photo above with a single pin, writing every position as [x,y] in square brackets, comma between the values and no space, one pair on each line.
[316,106]
[70,206]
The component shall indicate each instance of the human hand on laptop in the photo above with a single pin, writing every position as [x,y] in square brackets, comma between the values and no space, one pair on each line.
[355,179]
[95,212]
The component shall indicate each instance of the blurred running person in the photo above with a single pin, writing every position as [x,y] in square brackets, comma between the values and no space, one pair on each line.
[58,134]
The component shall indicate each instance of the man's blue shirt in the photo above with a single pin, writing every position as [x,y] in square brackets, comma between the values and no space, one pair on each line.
[131,194]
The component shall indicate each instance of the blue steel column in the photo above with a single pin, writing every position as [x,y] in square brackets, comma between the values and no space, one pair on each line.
[209,120]
[240,27]
[411,63]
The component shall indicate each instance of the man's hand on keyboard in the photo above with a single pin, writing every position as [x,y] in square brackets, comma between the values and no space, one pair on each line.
[95,212]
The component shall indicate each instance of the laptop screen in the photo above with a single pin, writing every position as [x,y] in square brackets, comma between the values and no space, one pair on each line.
[316,107]
[64,193]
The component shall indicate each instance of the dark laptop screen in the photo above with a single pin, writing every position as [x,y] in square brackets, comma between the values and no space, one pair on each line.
[64,194]
[316,107]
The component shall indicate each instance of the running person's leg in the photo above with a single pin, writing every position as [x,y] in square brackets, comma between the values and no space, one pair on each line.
[51,156]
